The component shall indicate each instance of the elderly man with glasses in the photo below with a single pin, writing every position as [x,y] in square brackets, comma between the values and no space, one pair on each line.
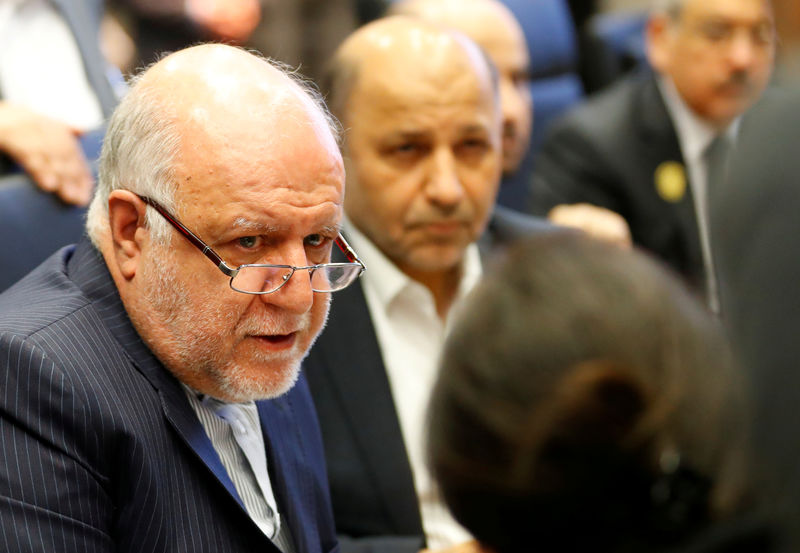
[152,401]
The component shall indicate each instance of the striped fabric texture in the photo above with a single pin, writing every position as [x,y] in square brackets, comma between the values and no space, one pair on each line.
[235,432]
[100,450]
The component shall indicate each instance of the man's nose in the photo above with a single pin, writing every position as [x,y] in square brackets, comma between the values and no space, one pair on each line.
[742,51]
[296,296]
[444,187]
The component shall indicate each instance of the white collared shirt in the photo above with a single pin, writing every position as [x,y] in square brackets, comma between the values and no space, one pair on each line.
[694,137]
[235,432]
[41,66]
[411,334]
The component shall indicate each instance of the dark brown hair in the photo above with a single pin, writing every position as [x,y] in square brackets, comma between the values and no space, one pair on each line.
[586,400]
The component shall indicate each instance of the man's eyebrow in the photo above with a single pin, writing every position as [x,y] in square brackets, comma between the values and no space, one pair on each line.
[407,135]
[254,226]
[474,128]
[262,228]
[332,229]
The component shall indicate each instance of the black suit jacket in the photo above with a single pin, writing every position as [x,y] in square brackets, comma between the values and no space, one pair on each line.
[372,486]
[606,152]
[100,450]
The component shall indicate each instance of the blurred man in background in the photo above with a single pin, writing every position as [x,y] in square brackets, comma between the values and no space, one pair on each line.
[423,158]
[645,148]
[493,27]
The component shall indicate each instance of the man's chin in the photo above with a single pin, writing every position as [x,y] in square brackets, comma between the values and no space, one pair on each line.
[253,383]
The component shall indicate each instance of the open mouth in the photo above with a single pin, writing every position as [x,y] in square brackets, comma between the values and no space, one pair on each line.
[276,341]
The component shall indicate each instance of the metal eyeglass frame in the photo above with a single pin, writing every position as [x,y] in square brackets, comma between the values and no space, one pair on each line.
[348,252]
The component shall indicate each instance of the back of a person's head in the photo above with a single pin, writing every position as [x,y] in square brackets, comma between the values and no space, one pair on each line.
[586,401]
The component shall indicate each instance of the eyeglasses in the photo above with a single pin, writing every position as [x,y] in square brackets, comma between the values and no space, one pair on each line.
[265,278]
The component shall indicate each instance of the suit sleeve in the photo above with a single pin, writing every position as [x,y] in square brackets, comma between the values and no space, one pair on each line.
[572,168]
[51,496]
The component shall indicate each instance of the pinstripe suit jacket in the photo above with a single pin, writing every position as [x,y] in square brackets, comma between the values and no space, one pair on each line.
[100,449]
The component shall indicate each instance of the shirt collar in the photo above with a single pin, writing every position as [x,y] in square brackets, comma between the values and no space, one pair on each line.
[694,134]
[388,282]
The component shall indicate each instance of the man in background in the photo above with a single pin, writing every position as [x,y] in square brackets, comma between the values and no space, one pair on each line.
[645,148]
[423,157]
[152,399]
[495,29]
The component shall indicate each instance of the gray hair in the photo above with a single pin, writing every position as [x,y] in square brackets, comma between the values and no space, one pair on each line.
[141,146]
[139,151]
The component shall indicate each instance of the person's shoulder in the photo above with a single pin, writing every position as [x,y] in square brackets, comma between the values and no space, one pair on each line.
[41,299]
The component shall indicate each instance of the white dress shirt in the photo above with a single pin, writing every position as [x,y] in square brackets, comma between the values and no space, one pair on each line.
[235,432]
[411,334]
[41,66]
[694,137]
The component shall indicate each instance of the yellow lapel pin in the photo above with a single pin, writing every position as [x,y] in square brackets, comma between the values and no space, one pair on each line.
[670,180]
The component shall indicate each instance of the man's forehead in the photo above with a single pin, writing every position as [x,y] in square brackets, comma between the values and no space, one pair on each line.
[746,11]
[423,104]
[275,212]
[405,82]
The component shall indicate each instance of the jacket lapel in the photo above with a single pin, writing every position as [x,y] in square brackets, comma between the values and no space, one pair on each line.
[659,135]
[184,420]
[349,341]
[88,270]
[286,477]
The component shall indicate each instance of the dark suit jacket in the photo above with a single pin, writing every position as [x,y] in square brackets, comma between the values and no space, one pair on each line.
[100,450]
[755,230]
[606,153]
[372,487]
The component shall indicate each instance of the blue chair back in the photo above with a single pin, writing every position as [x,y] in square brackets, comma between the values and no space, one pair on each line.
[555,82]
[33,224]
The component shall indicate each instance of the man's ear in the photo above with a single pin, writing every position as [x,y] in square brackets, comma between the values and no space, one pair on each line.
[126,213]
[659,42]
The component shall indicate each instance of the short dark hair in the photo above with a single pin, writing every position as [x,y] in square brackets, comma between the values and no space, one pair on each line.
[585,400]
